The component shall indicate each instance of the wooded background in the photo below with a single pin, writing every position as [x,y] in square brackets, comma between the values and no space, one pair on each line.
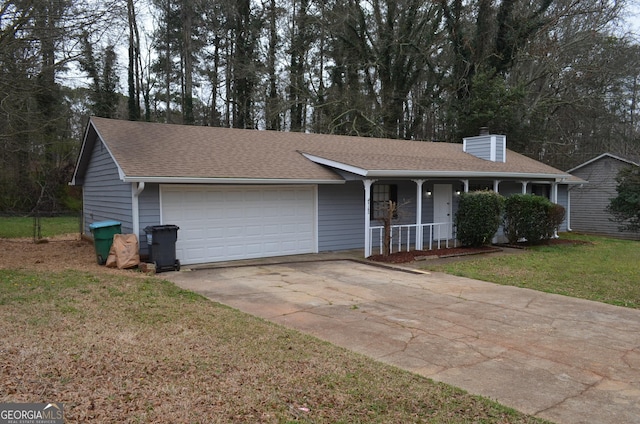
[558,77]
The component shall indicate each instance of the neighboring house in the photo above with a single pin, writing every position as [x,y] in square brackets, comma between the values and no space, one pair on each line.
[589,202]
[238,194]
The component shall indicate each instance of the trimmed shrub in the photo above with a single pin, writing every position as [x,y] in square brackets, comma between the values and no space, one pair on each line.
[531,217]
[555,217]
[478,217]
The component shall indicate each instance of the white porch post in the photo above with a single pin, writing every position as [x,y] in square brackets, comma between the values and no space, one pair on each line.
[554,192]
[554,199]
[496,185]
[524,186]
[419,213]
[367,217]
[466,185]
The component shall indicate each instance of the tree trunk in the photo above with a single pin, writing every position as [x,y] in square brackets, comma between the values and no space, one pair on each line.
[134,59]
[299,47]
[272,112]
[168,67]
[388,222]
[187,60]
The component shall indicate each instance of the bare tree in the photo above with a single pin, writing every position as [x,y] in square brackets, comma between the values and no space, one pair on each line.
[135,64]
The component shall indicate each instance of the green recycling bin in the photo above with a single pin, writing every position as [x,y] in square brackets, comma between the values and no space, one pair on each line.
[103,233]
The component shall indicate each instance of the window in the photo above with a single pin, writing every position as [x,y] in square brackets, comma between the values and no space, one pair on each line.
[380,196]
[541,190]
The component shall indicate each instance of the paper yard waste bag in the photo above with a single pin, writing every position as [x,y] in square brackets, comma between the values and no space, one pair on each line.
[124,252]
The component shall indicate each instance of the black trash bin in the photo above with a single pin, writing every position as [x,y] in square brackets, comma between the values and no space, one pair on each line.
[161,241]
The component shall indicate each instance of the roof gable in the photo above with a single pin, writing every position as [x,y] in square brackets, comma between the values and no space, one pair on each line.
[603,156]
[90,141]
[155,152]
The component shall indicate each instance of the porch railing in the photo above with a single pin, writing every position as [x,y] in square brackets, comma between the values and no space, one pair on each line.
[404,238]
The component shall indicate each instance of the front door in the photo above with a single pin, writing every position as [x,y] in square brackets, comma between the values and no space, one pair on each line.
[442,211]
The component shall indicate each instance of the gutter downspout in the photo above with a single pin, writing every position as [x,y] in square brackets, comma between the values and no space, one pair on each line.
[568,210]
[135,209]
[569,189]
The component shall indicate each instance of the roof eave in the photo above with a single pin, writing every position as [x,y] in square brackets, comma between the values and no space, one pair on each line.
[468,174]
[394,173]
[335,164]
[246,181]
[81,160]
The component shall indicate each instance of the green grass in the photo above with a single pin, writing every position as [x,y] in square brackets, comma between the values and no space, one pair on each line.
[21,227]
[133,348]
[605,270]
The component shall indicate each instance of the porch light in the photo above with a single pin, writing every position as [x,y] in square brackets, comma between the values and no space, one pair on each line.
[458,193]
[427,194]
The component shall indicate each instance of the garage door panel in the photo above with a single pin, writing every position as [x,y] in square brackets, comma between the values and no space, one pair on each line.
[214,232]
[195,253]
[214,252]
[242,222]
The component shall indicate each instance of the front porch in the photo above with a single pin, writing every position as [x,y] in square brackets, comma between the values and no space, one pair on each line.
[408,237]
[425,218]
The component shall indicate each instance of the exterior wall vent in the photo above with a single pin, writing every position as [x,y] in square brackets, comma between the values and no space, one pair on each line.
[491,147]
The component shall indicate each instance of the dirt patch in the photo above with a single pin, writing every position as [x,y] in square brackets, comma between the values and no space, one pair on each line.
[53,254]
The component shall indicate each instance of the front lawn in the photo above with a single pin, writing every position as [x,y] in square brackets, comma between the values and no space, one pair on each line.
[605,270]
[135,349]
[124,347]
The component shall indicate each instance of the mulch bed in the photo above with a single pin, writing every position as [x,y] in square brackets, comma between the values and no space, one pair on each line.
[413,255]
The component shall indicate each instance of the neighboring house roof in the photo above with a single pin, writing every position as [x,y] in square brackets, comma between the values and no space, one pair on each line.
[604,155]
[165,153]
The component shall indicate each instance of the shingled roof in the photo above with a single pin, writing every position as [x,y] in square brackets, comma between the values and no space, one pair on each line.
[155,152]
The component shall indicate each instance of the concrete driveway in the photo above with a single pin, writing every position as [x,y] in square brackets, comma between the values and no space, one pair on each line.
[562,359]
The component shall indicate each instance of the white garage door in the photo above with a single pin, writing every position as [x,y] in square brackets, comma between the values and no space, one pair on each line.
[228,223]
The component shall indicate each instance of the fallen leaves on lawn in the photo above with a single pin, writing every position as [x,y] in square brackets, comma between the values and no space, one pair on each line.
[119,346]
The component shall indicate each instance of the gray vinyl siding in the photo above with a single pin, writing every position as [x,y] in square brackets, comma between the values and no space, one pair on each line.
[589,202]
[341,216]
[479,146]
[500,149]
[105,196]
[149,212]
[341,213]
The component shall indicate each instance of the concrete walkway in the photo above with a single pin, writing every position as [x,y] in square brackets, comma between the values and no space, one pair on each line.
[559,358]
